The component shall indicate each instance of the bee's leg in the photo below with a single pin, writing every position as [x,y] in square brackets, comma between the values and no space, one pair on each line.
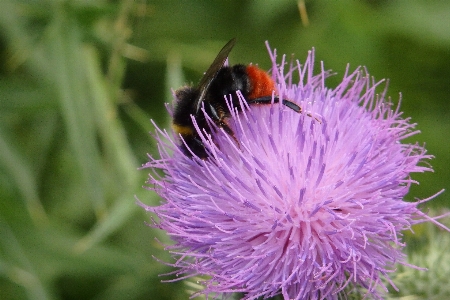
[268,100]
[287,103]
[219,118]
[222,124]
[193,144]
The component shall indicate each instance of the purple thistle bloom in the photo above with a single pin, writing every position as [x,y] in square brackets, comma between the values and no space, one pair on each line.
[303,206]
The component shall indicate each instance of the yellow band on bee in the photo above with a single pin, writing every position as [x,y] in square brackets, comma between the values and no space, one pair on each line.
[183,130]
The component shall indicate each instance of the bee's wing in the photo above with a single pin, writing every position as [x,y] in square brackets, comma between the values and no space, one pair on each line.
[211,73]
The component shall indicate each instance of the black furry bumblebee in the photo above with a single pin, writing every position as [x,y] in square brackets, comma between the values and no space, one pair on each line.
[255,85]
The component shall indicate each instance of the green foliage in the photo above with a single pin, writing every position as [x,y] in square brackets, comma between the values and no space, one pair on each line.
[80,80]
[432,251]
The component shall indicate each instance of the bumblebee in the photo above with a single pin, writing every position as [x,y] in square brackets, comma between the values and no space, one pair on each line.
[255,85]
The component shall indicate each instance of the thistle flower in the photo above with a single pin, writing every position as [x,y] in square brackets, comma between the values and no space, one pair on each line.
[303,205]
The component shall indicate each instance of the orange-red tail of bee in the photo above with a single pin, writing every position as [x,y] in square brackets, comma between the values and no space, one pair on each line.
[262,84]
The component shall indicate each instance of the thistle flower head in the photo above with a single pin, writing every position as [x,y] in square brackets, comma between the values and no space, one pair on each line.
[300,205]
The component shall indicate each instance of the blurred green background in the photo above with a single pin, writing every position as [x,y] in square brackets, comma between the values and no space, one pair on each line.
[80,80]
